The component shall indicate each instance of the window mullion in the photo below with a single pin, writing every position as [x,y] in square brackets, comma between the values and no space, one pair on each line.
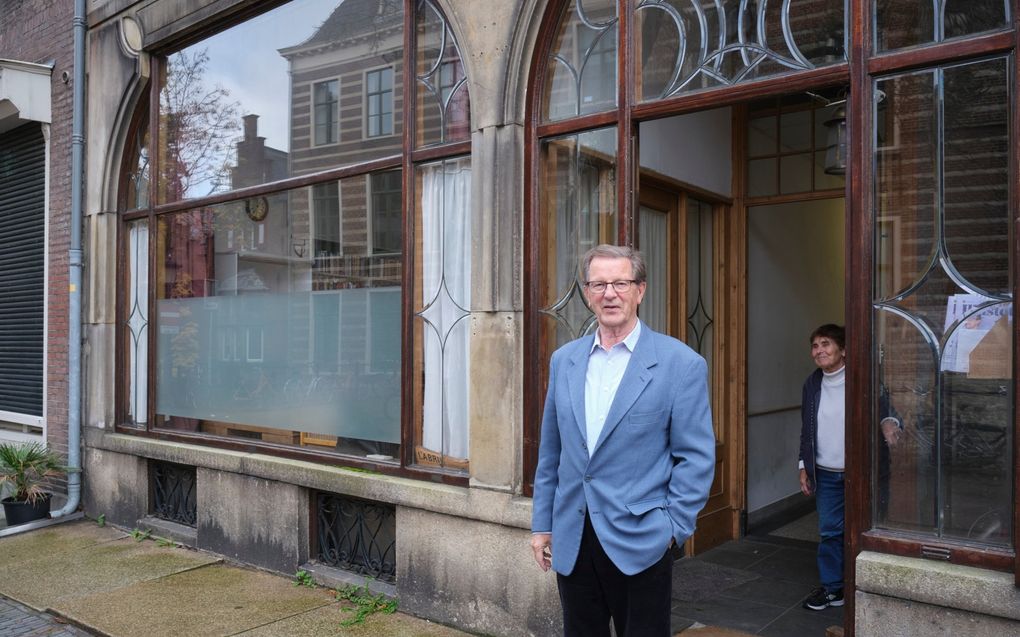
[407,379]
[1014,245]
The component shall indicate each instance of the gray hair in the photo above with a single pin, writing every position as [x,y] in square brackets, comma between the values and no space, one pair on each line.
[606,251]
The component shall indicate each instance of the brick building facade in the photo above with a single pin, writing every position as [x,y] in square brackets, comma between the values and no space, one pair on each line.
[39,32]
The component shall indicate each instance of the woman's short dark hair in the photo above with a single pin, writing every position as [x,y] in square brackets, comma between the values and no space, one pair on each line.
[832,332]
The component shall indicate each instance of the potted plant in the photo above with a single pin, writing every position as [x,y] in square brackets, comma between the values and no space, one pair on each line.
[26,468]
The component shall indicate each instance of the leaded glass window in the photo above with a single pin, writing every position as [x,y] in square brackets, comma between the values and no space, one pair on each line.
[943,305]
[686,45]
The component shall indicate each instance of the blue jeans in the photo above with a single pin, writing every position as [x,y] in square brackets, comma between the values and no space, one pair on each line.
[829,500]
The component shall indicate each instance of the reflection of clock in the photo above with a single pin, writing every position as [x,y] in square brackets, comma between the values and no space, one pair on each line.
[256,208]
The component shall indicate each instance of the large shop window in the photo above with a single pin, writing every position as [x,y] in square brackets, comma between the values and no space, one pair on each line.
[279,313]
[943,304]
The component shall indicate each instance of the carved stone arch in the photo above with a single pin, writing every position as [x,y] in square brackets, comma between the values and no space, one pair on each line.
[496,41]
[524,47]
[115,93]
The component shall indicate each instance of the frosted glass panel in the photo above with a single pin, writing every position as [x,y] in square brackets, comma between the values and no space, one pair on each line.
[246,368]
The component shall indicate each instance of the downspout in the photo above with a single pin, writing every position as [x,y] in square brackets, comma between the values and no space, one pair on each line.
[75,261]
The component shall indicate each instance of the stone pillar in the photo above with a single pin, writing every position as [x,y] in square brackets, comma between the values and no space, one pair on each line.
[117,73]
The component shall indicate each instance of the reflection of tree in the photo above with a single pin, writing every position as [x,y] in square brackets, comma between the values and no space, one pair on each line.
[200,123]
[184,344]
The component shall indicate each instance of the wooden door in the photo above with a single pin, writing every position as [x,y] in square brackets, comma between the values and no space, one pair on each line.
[692,245]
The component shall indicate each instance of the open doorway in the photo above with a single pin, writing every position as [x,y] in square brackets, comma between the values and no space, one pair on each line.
[743,231]
[795,280]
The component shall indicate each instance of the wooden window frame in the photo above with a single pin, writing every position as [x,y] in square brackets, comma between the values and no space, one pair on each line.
[865,68]
[857,72]
[406,161]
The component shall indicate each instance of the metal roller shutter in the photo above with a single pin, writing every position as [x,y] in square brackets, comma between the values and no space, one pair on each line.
[22,263]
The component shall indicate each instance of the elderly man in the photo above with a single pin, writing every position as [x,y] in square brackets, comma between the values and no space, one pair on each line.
[625,461]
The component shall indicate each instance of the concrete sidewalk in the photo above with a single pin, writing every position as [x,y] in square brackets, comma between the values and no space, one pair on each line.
[107,582]
[103,580]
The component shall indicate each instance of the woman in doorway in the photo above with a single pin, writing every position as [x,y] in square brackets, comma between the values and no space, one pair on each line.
[822,435]
[822,415]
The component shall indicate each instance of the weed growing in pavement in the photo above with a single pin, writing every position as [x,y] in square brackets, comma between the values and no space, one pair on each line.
[365,603]
[101,520]
[164,542]
[304,578]
[140,535]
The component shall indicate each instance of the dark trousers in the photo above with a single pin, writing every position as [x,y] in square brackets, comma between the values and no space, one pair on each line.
[596,591]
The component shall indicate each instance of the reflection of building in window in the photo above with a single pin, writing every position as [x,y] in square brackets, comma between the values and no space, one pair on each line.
[256,162]
[385,213]
[326,114]
[255,344]
[326,211]
[379,102]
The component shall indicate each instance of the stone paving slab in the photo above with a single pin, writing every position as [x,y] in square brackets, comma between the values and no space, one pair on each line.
[43,579]
[328,619]
[54,540]
[213,600]
[20,621]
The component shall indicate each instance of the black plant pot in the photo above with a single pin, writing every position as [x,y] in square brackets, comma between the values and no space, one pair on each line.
[18,512]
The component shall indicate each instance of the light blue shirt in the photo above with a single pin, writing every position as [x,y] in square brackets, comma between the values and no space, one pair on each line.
[605,371]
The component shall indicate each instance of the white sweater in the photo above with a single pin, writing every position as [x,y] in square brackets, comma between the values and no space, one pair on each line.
[831,418]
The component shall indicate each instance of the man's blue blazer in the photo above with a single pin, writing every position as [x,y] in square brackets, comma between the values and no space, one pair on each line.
[652,466]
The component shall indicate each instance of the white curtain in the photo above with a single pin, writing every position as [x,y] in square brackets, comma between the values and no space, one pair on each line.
[138,321]
[652,235]
[446,287]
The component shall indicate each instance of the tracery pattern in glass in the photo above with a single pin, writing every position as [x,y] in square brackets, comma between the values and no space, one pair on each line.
[137,323]
[905,23]
[173,490]
[579,212]
[686,45]
[581,77]
[943,306]
[443,312]
[443,103]
[138,167]
[358,536]
[700,286]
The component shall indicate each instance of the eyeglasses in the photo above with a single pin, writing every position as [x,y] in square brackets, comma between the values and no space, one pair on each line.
[599,287]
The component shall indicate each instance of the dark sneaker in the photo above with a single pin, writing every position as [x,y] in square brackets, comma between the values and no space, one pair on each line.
[821,599]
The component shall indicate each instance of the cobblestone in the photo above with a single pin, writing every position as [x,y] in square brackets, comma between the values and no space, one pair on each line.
[19,621]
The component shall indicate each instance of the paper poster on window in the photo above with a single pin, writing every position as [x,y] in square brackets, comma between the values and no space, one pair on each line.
[974,329]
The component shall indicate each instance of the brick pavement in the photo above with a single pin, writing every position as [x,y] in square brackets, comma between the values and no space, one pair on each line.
[19,621]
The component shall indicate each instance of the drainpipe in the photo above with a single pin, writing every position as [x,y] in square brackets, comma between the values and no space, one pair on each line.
[75,259]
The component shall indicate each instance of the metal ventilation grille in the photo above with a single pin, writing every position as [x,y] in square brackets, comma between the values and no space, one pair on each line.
[173,493]
[357,535]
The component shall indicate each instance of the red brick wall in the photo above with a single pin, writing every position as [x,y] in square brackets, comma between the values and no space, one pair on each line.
[41,31]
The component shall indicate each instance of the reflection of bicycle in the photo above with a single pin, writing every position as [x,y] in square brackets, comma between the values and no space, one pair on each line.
[254,385]
[989,525]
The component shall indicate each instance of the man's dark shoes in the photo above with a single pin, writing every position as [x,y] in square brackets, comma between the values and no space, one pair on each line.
[821,599]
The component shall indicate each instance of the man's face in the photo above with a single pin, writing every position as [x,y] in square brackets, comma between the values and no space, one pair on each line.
[614,310]
[827,354]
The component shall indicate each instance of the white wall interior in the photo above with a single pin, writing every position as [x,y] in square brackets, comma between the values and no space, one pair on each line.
[795,280]
[694,149]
